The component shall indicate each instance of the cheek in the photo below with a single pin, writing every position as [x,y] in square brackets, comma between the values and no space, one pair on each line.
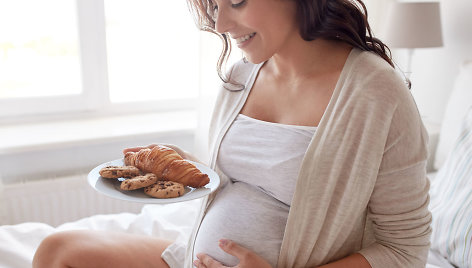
[277,28]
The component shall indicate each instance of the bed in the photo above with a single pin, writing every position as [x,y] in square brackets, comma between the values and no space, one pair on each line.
[451,156]
[172,221]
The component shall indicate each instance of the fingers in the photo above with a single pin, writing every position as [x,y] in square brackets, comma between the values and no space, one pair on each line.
[198,264]
[247,258]
[205,261]
[234,249]
[137,149]
[177,149]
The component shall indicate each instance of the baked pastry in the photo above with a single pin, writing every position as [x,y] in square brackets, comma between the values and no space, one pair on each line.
[114,172]
[165,189]
[138,182]
[167,164]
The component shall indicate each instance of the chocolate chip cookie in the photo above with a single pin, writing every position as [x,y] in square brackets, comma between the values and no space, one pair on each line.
[114,172]
[165,189]
[138,182]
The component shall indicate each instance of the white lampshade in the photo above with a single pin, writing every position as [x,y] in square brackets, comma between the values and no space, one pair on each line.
[413,25]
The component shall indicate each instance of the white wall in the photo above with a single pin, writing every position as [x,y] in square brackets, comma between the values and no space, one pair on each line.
[434,70]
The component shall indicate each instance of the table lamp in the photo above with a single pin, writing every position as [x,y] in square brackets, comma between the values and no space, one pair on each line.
[413,25]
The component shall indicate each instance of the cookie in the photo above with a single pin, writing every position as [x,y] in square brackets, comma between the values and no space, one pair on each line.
[114,172]
[165,189]
[138,182]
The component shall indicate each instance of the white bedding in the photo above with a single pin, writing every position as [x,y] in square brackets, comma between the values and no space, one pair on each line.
[174,221]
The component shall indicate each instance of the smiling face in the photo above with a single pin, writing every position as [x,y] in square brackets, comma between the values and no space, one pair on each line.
[260,28]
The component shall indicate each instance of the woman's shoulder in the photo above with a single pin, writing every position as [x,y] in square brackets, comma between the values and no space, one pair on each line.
[370,74]
[231,91]
[241,71]
[366,64]
[238,78]
[372,82]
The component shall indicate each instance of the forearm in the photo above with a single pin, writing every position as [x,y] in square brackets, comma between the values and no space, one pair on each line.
[353,261]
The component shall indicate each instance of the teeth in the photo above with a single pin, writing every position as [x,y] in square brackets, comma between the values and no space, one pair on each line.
[244,38]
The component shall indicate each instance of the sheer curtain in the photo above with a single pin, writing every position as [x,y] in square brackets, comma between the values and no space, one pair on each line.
[376,10]
[210,48]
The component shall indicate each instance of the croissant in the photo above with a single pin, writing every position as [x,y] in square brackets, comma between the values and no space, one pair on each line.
[168,165]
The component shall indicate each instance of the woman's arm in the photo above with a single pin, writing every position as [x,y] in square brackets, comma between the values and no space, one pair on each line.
[247,258]
[353,261]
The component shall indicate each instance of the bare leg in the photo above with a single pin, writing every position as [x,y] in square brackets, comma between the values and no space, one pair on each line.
[100,249]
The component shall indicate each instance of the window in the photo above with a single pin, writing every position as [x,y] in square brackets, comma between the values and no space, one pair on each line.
[152,50]
[61,56]
[31,41]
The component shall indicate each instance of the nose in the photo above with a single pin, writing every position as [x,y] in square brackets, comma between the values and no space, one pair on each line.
[224,21]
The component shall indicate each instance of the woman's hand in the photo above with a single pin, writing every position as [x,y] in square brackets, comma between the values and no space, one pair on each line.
[137,149]
[182,153]
[246,257]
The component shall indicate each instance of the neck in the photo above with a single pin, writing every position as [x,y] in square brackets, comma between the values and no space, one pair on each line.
[301,59]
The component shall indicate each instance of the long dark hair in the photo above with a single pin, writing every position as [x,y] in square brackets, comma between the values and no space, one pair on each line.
[344,20]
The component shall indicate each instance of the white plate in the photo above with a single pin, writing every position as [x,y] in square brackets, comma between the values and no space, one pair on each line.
[111,187]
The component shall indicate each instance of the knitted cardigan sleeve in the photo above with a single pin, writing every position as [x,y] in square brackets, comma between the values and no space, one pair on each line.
[398,207]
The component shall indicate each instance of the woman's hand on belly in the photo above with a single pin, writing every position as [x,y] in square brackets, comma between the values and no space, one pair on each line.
[246,257]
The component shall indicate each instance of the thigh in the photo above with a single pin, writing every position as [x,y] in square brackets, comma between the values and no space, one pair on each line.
[106,249]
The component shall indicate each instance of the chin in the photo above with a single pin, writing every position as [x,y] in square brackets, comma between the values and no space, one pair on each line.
[255,59]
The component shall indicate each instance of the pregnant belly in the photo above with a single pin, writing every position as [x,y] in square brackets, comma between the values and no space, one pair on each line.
[249,217]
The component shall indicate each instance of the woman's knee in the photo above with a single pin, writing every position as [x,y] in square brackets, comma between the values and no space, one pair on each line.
[101,249]
[55,249]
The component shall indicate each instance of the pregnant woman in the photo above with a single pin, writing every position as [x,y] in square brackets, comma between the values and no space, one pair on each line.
[318,143]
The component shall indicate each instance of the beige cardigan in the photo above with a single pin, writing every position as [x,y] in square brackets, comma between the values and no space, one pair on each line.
[362,185]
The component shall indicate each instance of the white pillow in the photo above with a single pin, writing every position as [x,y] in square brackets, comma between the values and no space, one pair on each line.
[451,201]
[459,101]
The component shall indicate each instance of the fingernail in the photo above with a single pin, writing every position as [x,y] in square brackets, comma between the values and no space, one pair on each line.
[195,262]
[223,242]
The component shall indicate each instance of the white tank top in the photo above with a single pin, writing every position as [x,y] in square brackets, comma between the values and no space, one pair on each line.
[262,159]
